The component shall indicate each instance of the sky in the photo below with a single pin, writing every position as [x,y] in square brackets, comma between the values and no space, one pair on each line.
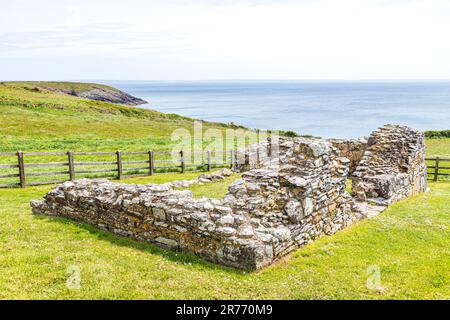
[212,39]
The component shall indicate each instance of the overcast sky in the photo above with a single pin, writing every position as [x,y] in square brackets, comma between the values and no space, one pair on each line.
[212,39]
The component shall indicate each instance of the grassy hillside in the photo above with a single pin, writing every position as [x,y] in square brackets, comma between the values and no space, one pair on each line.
[77,87]
[438,147]
[39,120]
[90,91]
[34,119]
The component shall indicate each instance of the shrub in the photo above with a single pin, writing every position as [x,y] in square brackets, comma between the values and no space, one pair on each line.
[290,134]
[437,134]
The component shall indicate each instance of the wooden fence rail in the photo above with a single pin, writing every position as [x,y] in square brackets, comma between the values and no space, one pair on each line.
[117,168]
[437,166]
[150,165]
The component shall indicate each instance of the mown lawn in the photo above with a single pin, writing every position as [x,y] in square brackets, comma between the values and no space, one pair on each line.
[409,244]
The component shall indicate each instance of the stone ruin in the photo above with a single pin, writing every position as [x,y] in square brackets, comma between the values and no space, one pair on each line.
[393,166]
[275,208]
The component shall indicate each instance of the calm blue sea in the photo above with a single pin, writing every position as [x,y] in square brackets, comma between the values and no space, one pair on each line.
[328,109]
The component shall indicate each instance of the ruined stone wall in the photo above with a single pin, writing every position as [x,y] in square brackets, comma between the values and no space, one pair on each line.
[158,214]
[256,155]
[393,166]
[284,202]
[303,199]
[352,149]
[265,215]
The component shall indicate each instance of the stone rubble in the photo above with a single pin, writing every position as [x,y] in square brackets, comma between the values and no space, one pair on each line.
[352,149]
[204,178]
[275,208]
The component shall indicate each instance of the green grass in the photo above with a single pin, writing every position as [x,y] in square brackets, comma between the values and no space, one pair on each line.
[438,147]
[162,178]
[77,87]
[40,120]
[44,121]
[217,189]
[409,243]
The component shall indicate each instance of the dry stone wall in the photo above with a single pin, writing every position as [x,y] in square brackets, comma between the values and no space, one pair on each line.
[352,149]
[393,166]
[299,200]
[281,204]
[159,214]
[265,215]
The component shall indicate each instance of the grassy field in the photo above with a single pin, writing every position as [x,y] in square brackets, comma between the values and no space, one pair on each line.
[409,244]
[38,120]
[77,87]
[43,120]
[439,147]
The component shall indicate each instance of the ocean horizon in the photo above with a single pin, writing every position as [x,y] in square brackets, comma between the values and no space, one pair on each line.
[331,109]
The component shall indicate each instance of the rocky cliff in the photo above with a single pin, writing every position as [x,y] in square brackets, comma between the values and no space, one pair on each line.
[93,91]
[101,93]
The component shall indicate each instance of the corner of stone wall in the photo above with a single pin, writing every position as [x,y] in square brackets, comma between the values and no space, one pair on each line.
[393,166]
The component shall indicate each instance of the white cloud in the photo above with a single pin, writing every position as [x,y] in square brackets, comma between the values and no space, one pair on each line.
[346,39]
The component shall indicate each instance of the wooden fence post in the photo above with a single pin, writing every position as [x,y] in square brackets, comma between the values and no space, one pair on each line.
[71,166]
[436,169]
[151,163]
[247,156]
[269,147]
[232,159]
[21,168]
[182,161]
[257,155]
[208,157]
[119,165]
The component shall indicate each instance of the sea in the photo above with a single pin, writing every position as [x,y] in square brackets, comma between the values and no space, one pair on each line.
[330,109]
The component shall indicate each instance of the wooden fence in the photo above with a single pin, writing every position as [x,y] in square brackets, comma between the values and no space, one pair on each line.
[437,168]
[117,168]
[19,169]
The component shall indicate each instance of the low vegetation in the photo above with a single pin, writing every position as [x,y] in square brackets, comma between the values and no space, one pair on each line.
[438,147]
[76,87]
[217,189]
[437,134]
